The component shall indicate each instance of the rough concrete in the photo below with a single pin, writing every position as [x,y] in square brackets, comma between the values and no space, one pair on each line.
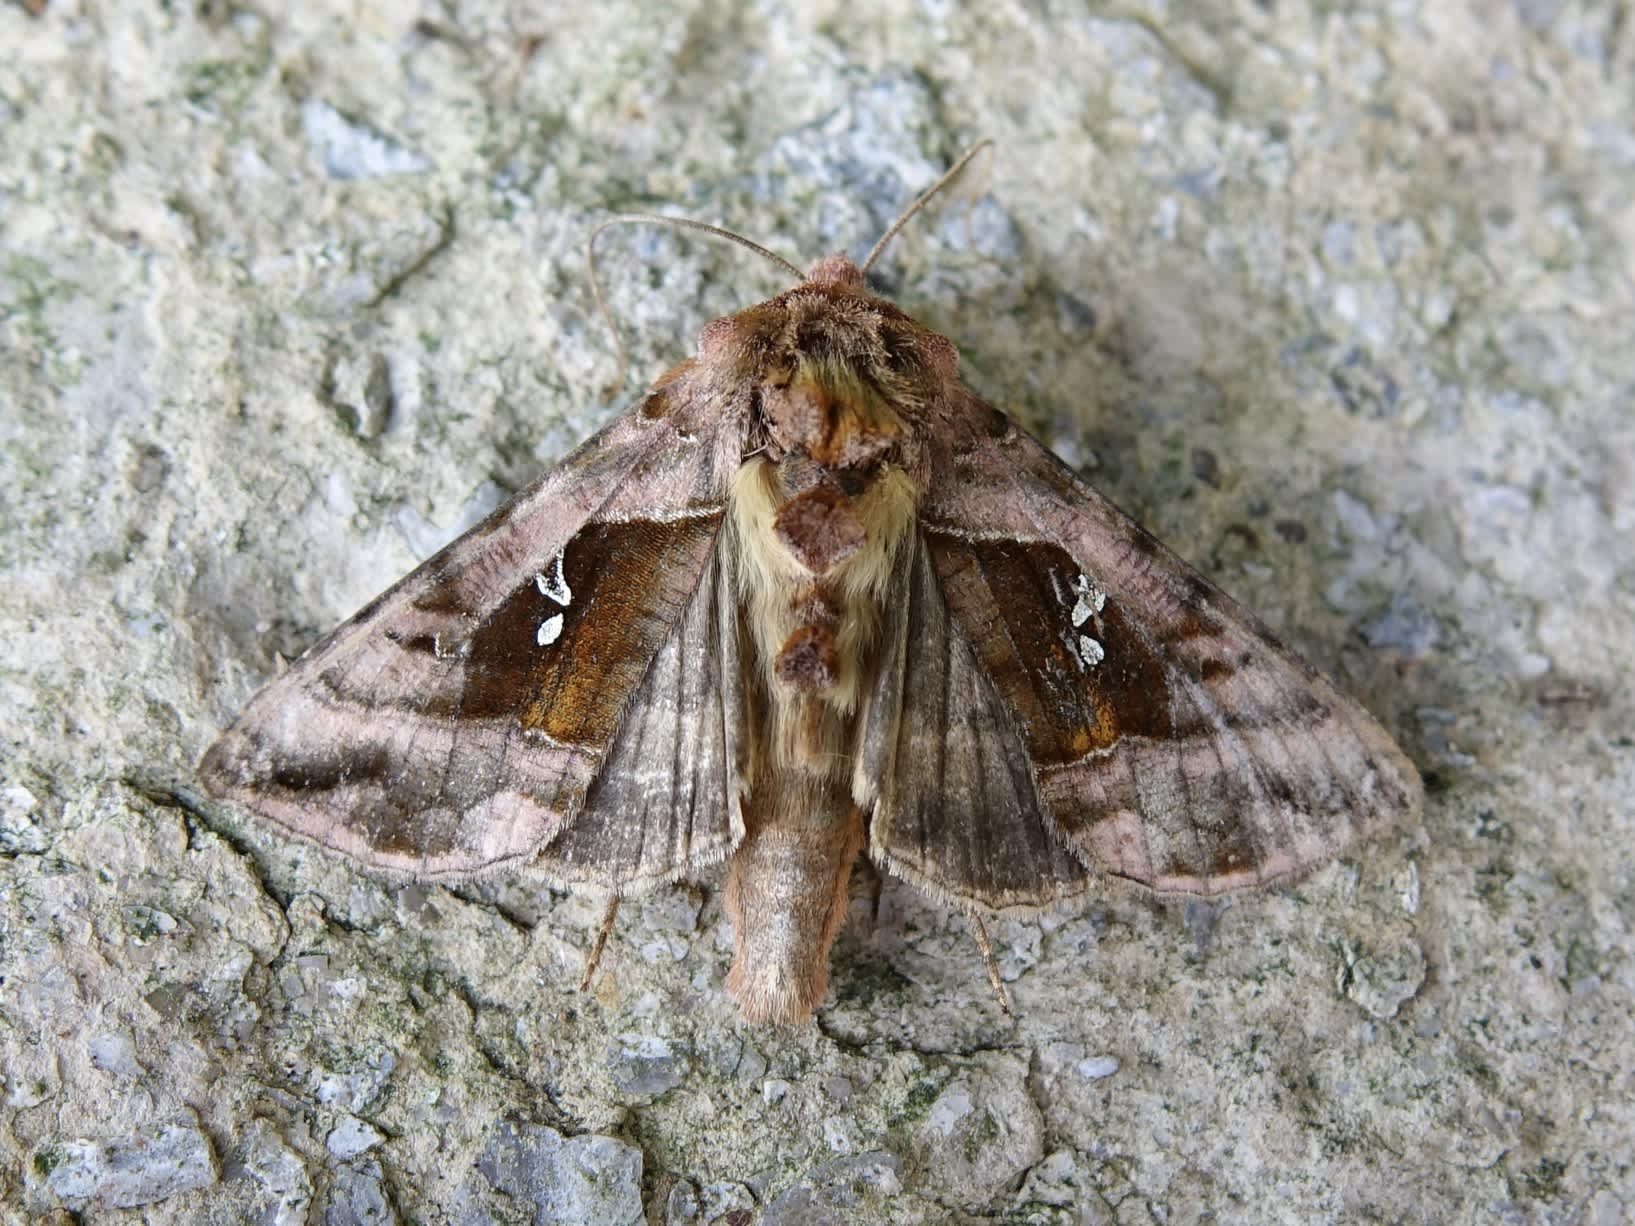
[1338,302]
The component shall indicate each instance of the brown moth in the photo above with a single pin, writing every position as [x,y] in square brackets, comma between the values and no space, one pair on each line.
[810,598]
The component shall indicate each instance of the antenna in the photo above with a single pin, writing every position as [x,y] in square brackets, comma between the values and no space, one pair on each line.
[679,223]
[921,201]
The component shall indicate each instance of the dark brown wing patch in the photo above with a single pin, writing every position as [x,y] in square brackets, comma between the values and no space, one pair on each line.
[1014,602]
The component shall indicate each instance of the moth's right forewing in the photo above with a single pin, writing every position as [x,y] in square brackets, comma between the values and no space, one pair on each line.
[456,723]
[1173,741]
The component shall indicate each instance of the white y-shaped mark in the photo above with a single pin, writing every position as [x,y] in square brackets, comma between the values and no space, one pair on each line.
[555,589]
[1089,600]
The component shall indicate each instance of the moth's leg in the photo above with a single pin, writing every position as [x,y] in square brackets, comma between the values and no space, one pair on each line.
[601,942]
[983,944]
[867,882]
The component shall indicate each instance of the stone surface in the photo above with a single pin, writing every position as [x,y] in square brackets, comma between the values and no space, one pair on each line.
[286,1184]
[357,1197]
[352,1137]
[1336,298]
[578,1181]
[840,1191]
[128,1172]
[645,1065]
[715,1204]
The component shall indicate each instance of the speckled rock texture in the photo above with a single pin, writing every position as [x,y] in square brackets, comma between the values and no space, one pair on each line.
[1338,300]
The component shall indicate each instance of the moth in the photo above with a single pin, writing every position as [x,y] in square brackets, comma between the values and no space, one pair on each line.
[812,599]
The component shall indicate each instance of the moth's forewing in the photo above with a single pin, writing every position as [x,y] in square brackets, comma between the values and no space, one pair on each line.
[457,722]
[1171,740]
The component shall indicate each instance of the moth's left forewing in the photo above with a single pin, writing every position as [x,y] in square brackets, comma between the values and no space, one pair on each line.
[457,723]
[1173,741]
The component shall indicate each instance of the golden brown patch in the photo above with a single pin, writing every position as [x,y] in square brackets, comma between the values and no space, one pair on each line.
[830,414]
[629,582]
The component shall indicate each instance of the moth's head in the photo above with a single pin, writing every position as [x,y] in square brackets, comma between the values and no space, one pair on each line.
[837,373]
[836,270]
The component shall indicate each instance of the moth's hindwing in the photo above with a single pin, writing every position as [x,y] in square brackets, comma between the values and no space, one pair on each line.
[457,723]
[1169,739]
